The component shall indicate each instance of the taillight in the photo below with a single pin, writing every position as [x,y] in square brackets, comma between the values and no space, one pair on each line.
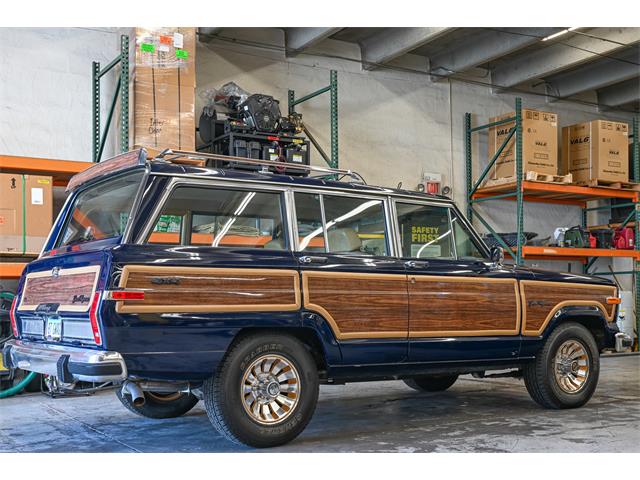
[127,295]
[12,316]
[93,316]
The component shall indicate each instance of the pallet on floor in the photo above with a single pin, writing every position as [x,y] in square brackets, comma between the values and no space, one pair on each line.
[613,185]
[532,176]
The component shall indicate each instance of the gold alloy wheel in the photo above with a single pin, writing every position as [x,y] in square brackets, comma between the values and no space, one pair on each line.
[270,389]
[571,366]
[164,397]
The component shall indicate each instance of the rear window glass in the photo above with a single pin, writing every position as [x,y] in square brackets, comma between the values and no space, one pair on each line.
[217,217]
[101,211]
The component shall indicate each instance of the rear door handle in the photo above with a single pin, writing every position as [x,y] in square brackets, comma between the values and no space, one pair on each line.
[307,259]
[415,264]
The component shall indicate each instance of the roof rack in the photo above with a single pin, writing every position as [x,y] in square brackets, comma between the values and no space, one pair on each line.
[182,156]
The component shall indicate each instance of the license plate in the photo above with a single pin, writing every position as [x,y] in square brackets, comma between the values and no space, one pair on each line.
[54,328]
[2,367]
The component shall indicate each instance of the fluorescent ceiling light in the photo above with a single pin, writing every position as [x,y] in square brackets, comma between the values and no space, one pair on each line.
[561,32]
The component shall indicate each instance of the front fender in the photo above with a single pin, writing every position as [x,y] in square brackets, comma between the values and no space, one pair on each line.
[590,317]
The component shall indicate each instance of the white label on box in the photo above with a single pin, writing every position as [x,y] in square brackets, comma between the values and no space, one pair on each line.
[37,196]
[163,48]
[178,40]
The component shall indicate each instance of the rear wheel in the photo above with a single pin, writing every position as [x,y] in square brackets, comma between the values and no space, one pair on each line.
[264,392]
[160,405]
[431,383]
[565,372]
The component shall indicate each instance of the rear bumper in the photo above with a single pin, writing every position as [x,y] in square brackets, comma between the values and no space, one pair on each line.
[67,363]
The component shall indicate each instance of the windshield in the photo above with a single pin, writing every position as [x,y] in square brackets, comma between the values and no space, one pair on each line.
[101,211]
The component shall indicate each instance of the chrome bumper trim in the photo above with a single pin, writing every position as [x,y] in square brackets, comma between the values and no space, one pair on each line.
[80,364]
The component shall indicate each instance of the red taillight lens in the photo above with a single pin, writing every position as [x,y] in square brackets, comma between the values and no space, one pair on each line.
[12,316]
[126,295]
[93,316]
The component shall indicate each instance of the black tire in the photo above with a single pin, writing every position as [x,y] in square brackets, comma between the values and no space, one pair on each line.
[539,375]
[159,405]
[223,398]
[431,383]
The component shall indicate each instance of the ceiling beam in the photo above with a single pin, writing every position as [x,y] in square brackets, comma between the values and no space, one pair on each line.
[394,42]
[621,94]
[298,39]
[483,48]
[596,75]
[565,53]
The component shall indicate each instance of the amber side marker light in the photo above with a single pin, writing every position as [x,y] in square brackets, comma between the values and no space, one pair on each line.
[614,300]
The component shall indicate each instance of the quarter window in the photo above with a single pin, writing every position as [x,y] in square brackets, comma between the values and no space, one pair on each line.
[217,217]
[425,231]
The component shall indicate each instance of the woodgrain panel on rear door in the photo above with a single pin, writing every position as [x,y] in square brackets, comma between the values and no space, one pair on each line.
[447,306]
[542,300]
[359,305]
[193,289]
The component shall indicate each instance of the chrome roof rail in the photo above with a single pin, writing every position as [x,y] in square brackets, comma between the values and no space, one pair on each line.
[179,156]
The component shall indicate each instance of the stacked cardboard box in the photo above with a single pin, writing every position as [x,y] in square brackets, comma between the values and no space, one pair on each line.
[596,150]
[164,81]
[539,143]
[26,213]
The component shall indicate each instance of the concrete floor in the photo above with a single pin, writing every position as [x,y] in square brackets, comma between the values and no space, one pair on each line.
[473,416]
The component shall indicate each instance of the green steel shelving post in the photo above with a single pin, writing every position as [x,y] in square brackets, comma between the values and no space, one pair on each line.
[333,161]
[468,163]
[95,109]
[122,91]
[519,192]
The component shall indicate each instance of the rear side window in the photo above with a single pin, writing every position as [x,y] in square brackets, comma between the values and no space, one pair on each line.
[425,231]
[217,217]
[101,211]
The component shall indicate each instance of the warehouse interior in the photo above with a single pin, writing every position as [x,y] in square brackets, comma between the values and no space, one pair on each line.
[400,106]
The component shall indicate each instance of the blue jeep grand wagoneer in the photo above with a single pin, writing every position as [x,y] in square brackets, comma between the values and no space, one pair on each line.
[176,281]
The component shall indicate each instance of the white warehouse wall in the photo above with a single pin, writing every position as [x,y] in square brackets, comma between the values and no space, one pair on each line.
[393,125]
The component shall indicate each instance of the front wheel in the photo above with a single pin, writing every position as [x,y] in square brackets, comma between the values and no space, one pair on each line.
[160,405]
[264,392]
[565,372]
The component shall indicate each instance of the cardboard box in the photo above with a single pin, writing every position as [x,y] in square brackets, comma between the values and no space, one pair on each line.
[164,82]
[539,144]
[596,150]
[33,196]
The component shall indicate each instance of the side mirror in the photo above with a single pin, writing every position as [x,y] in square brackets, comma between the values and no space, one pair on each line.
[497,256]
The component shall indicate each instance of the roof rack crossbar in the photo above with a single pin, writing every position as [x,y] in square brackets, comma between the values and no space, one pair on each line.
[169,154]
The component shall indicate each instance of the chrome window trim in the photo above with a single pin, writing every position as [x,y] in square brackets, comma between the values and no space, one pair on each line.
[177,182]
[453,236]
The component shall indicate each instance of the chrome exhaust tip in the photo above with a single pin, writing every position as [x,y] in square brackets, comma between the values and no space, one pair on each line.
[135,392]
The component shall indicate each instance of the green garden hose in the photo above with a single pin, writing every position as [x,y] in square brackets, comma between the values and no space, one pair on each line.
[10,392]
[28,378]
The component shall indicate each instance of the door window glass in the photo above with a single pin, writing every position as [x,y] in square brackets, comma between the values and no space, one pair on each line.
[466,246]
[309,222]
[219,217]
[355,225]
[425,231]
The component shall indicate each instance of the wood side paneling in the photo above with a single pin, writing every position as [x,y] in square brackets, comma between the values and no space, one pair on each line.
[541,300]
[192,289]
[463,306]
[359,305]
